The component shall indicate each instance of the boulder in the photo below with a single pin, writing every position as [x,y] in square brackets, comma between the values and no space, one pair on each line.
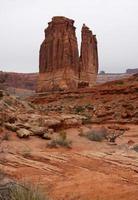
[40,131]
[23,133]
[52,123]
[23,125]
[46,136]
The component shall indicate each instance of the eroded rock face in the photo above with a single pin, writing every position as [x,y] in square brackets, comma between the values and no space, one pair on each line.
[18,80]
[59,64]
[59,59]
[88,57]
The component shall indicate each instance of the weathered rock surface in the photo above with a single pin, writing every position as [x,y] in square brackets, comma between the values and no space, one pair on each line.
[18,80]
[11,127]
[59,60]
[132,71]
[60,170]
[113,102]
[88,57]
[25,84]
[88,165]
[23,133]
[26,120]
[60,66]
[38,130]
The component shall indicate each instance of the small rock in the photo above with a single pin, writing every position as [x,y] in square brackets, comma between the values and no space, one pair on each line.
[52,123]
[46,136]
[38,130]
[23,125]
[23,133]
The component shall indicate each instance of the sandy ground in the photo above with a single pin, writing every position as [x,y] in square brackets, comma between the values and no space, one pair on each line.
[87,171]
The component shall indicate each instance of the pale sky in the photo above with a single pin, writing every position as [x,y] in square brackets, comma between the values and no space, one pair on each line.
[22,24]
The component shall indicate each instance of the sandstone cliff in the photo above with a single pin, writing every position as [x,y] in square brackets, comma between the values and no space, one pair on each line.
[59,59]
[88,57]
[60,66]
[27,81]
[18,80]
[132,71]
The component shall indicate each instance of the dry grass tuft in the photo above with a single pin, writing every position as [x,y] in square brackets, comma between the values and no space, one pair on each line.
[27,192]
[62,141]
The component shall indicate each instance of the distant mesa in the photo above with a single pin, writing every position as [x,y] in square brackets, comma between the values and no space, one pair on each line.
[60,66]
[132,71]
[102,72]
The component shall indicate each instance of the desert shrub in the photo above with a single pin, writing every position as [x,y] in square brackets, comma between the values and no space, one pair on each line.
[63,135]
[3,118]
[79,109]
[8,102]
[2,174]
[26,192]
[41,121]
[81,134]
[89,106]
[87,120]
[119,82]
[135,148]
[2,161]
[97,135]
[62,140]
[6,136]
[52,144]
[26,152]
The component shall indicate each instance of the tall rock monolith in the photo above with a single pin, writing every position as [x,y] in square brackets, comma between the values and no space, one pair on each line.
[60,67]
[59,58]
[88,57]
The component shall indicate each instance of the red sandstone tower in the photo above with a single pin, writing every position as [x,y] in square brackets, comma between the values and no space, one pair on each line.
[60,67]
[88,57]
